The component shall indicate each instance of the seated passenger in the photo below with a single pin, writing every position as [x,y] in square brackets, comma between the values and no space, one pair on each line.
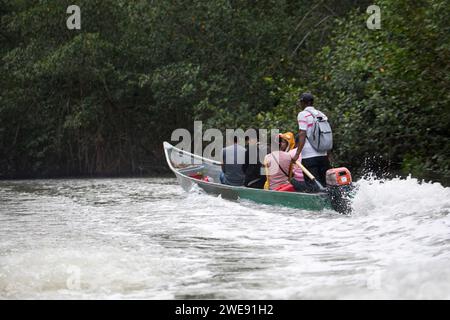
[252,167]
[277,164]
[297,178]
[233,159]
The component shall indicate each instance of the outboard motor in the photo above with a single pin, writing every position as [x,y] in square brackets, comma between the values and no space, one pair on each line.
[339,185]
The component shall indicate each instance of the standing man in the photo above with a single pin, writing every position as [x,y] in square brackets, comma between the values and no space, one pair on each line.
[233,160]
[316,161]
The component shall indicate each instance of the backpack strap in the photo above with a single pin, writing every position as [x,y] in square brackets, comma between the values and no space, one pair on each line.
[314,115]
[314,121]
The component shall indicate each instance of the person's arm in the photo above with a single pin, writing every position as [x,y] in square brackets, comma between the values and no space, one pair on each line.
[247,160]
[267,183]
[302,127]
[301,144]
[223,161]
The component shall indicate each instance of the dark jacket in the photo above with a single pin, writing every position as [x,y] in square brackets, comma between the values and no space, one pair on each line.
[253,176]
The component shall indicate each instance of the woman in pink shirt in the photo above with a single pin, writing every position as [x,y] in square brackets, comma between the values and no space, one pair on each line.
[277,164]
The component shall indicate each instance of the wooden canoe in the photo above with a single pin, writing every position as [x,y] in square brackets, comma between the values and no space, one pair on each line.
[190,168]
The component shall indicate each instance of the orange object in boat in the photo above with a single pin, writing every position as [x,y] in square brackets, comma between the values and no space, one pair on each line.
[197,176]
[208,179]
[285,187]
[338,177]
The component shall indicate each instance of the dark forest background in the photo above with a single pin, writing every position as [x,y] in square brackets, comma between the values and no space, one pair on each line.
[100,100]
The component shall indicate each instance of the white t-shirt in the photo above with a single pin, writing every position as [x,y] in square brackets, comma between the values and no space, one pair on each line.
[305,122]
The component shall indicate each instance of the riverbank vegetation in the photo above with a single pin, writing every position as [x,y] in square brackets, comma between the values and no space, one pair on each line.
[100,100]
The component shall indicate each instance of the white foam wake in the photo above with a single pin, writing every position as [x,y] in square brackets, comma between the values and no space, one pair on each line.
[400,196]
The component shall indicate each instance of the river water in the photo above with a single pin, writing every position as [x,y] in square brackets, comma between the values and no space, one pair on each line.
[148,239]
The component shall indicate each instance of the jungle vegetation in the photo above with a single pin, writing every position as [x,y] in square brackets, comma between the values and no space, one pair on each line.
[100,100]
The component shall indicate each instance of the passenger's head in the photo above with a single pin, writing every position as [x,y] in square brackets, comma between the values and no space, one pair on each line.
[253,137]
[289,136]
[283,144]
[306,99]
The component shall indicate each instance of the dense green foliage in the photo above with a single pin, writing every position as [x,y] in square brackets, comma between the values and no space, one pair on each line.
[100,100]
[387,91]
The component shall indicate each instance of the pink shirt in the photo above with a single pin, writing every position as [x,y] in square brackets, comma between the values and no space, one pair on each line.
[276,175]
[296,170]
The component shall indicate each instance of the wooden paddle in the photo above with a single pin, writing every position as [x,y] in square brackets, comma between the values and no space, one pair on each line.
[309,174]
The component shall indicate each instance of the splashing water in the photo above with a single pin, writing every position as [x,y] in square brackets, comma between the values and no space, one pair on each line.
[147,239]
[407,196]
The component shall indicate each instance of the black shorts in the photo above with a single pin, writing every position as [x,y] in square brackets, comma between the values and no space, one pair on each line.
[318,167]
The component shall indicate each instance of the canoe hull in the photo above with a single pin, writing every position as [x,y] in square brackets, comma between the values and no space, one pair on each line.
[305,201]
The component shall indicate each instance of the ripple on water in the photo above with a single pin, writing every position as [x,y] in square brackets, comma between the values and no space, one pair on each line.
[146,238]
